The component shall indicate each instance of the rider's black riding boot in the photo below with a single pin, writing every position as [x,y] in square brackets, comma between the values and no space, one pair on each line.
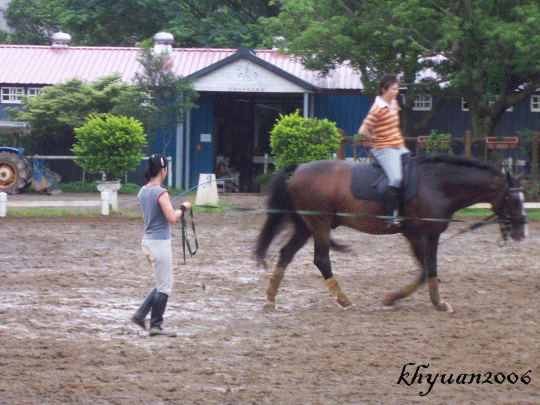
[156,318]
[394,203]
[144,309]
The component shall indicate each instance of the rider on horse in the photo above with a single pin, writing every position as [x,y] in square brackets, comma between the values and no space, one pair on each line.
[381,127]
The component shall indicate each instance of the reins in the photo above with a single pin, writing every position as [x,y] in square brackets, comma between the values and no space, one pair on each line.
[185,240]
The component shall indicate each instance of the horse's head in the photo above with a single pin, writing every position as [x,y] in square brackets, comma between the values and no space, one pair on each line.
[512,218]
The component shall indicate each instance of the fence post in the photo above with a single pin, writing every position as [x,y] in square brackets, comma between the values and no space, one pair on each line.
[3,204]
[104,203]
[340,153]
[534,156]
[468,142]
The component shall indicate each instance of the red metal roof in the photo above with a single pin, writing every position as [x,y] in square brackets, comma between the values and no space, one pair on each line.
[45,65]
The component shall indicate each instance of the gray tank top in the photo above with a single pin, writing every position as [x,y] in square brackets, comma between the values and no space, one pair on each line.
[156,225]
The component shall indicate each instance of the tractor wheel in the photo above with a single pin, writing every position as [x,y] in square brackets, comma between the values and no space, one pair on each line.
[15,173]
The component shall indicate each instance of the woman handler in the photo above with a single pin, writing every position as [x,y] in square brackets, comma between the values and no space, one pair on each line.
[381,127]
[158,214]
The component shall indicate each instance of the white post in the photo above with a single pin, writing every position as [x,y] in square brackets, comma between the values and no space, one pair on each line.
[104,203]
[3,204]
[265,163]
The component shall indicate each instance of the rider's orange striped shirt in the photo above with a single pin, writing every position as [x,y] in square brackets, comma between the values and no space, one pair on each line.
[383,121]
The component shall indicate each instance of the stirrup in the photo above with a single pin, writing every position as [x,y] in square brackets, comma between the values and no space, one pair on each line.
[394,220]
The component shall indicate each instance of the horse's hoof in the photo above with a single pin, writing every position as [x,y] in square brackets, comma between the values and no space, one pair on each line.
[445,307]
[348,307]
[390,297]
[269,306]
[344,302]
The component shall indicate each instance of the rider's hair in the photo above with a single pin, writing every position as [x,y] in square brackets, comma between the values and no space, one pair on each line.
[155,164]
[386,81]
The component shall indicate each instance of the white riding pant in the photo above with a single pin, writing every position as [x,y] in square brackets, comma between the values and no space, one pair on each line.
[159,254]
[390,161]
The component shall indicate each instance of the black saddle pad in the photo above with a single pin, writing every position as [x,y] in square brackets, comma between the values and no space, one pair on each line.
[369,181]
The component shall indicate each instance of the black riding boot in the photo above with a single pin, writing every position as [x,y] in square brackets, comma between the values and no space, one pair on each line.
[156,318]
[144,309]
[394,204]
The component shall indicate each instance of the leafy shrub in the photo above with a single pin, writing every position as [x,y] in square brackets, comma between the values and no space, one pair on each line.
[438,143]
[298,140]
[110,144]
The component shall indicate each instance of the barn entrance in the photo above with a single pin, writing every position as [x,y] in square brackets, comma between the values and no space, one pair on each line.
[242,125]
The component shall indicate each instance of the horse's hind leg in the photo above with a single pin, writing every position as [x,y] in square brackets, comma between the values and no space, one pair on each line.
[322,261]
[286,255]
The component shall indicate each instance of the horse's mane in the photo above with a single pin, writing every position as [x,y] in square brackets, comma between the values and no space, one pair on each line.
[462,161]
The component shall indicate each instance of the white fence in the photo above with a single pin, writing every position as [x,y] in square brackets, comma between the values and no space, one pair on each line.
[169,164]
[103,203]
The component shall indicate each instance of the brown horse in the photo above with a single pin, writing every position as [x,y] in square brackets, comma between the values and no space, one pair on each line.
[318,198]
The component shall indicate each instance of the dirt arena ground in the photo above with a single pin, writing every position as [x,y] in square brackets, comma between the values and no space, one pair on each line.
[70,284]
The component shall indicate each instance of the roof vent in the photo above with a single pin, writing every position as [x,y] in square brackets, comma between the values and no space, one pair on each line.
[60,40]
[163,43]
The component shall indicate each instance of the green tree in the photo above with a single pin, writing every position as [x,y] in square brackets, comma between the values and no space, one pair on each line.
[32,21]
[298,140]
[59,109]
[367,34]
[490,48]
[110,144]
[167,96]
[195,23]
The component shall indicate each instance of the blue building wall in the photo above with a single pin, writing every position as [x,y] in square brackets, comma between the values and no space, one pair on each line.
[200,151]
[347,112]
[453,120]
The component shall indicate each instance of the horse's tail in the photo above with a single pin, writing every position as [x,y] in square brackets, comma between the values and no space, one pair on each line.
[280,209]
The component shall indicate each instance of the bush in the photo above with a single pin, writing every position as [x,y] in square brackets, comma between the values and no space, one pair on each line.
[438,143]
[298,140]
[110,144]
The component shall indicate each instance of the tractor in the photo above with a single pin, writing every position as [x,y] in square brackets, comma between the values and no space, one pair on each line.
[17,173]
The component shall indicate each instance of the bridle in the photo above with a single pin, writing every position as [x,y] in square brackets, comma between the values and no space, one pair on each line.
[506,221]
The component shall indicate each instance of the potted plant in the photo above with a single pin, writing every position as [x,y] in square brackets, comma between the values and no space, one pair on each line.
[359,140]
[112,145]
[435,142]
[502,142]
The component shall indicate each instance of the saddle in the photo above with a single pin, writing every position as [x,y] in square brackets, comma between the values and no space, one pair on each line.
[369,182]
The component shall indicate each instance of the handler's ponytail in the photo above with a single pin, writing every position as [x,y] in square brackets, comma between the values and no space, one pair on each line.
[155,164]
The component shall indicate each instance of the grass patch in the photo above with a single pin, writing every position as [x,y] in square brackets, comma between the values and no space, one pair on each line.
[533,214]
[43,212]
[85,187]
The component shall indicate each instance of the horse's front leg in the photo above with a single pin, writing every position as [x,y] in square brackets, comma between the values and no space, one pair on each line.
[425,251]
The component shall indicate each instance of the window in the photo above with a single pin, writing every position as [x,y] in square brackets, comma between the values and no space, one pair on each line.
[535,103]
[12,95]
[34,91]
[465,106]
[422,103]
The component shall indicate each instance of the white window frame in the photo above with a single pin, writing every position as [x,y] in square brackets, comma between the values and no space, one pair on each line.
[535,103]
[423,103]
[465,106]
[12,95]
[33,91]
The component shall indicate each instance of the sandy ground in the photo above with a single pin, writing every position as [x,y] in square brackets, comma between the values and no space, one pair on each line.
[70,284]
